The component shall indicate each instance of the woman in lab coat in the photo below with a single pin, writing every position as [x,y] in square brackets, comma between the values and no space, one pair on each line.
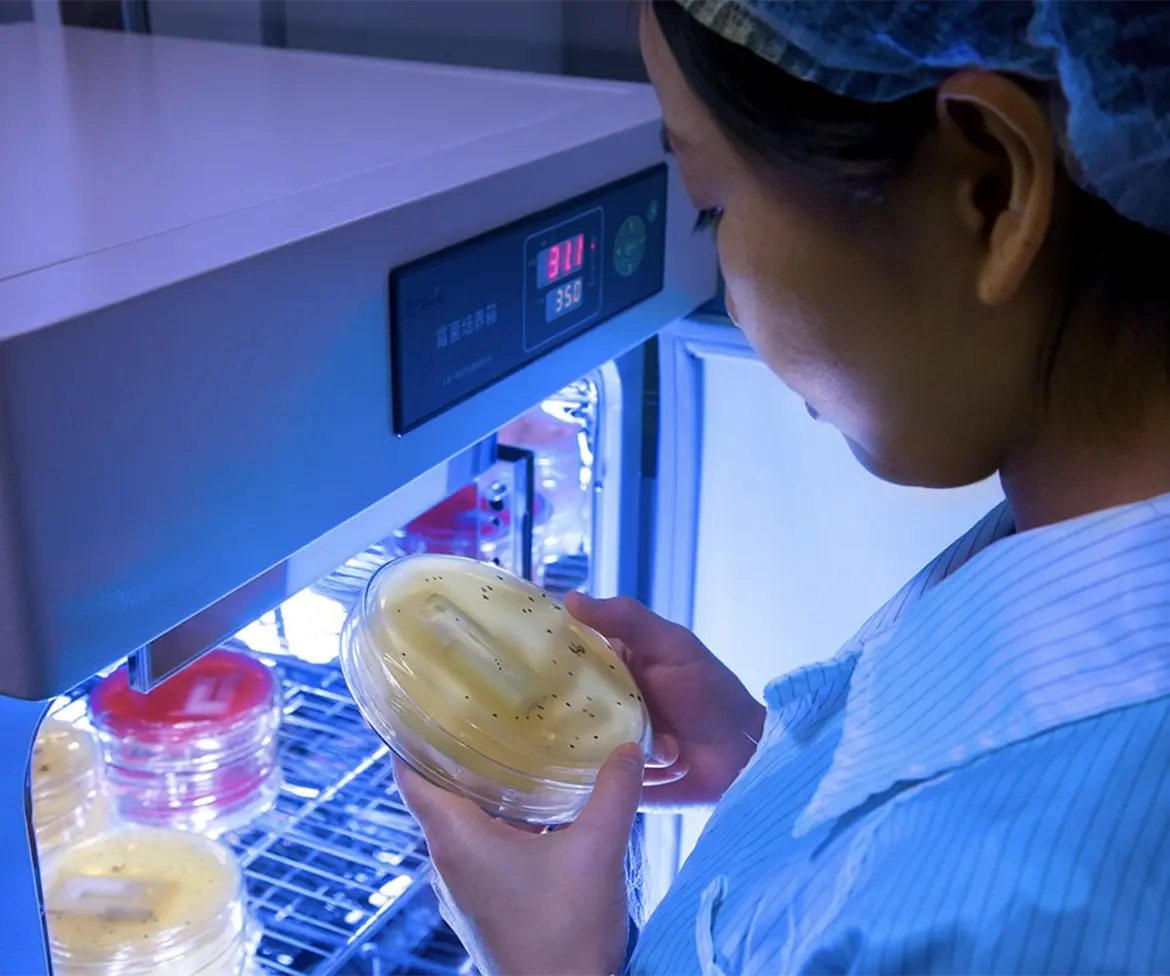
[946,226]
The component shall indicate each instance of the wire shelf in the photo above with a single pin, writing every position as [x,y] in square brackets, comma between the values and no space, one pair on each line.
[338,856]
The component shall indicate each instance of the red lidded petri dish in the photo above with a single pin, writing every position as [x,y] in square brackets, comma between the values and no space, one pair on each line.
[198,752]
[463,524]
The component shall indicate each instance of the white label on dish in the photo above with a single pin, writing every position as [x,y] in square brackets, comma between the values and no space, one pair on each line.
[116,899]
[464,638]
[211,696]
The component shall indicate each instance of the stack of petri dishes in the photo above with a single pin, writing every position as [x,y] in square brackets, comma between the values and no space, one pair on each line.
[483,684]
[460,525]
[67,800]
[465,523]
[197,753]
[146,900]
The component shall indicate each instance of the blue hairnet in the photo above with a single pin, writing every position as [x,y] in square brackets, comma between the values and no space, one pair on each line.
[1110,58]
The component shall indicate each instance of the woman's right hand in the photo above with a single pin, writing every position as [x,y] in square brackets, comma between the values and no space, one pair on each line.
[706,723]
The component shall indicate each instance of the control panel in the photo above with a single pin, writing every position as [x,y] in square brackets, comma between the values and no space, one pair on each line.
[471,314]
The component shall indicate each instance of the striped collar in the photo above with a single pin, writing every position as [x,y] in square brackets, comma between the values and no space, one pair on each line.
[1003,637]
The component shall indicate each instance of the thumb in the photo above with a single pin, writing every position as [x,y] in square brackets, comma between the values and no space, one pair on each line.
[609,814]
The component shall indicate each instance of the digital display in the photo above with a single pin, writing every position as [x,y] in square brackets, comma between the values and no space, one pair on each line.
[563,299]
[561,260]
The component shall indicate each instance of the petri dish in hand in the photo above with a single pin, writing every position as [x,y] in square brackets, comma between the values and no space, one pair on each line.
[484,684]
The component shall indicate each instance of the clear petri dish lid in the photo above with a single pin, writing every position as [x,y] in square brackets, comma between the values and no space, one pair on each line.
[144,900]
[483,683]
[210,698]
[65,786]
[65,766]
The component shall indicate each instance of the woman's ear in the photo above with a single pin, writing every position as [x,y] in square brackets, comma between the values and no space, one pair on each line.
[1003,145]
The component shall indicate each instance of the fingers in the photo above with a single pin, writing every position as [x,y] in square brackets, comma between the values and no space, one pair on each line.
[622,619]
[666,775]
[666,764]
[664,752]
[442,895]
[440,811]
[609,814]
[445,817]
[447,910]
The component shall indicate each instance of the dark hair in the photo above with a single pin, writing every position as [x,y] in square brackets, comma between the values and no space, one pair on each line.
[859,149]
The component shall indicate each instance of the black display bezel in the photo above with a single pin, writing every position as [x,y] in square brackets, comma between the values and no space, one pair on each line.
[550,216]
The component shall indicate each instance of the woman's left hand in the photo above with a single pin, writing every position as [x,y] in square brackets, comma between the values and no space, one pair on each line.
[535,904]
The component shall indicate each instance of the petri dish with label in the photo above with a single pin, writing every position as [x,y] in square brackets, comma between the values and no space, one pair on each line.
[199,752]
[66,779]
[485,685]
[147,900]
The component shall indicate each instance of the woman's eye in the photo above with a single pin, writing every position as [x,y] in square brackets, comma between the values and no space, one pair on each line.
[708,220]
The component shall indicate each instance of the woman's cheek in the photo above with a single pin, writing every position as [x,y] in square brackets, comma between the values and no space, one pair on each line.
[732,309]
